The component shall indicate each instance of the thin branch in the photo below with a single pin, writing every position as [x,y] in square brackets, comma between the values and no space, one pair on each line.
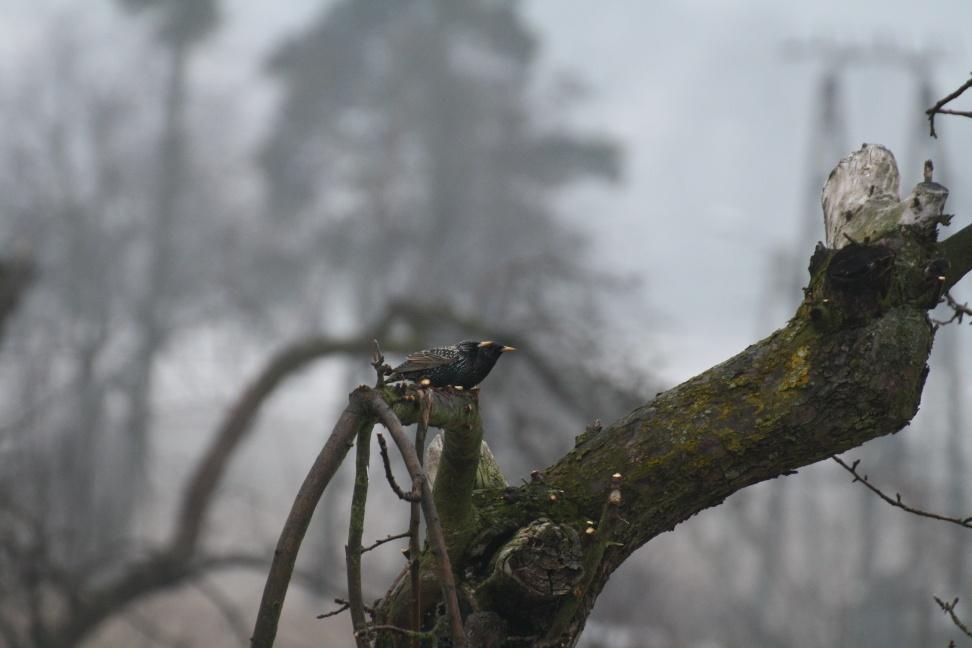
[378,363]
[285,555]
[414,544]
[949,609]
[359,499]
[939,105]
[394,427]
[408,497]
[896,500]
[958,310]
[342,606]
[378,543]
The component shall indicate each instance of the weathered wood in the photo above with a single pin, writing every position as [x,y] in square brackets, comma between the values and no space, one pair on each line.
[861,202]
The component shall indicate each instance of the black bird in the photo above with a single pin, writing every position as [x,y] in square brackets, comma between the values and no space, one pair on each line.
[463,365]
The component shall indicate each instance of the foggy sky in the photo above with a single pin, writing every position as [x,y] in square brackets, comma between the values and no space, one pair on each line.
[714,123]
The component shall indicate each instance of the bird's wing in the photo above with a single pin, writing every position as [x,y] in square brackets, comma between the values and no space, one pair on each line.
[427,359]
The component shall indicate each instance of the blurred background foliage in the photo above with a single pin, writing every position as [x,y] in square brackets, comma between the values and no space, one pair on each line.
[424,168]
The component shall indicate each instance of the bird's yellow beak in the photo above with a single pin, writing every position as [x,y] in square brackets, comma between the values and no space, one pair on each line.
[485,343]
[508,348]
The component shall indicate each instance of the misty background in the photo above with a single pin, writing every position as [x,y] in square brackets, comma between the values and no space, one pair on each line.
[631,191]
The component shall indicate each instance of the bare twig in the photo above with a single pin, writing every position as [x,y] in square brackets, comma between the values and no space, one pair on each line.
[285,555]
[949,609]
[378,363]
[341,608]
[896,500]
[958,310]
[938,108]
[378,543]
[408,497]
[352,551]
[394,427]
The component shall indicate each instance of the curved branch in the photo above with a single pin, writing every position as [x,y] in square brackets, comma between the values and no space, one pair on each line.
[198,494]
[351,423]
[790,400]
[455,478]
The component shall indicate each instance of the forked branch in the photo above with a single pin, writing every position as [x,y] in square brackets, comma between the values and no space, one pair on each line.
[896,500]
[939,107]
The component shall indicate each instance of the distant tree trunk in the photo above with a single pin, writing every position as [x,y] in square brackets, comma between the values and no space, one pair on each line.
[150,328]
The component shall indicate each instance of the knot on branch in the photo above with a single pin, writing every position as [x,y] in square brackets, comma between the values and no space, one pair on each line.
[543,561]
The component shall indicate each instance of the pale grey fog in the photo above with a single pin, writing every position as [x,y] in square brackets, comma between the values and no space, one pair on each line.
[628,190]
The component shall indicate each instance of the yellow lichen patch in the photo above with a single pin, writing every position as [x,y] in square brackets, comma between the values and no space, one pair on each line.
[797,370]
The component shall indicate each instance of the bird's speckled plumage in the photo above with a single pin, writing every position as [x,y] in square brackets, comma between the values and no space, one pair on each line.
[464,365]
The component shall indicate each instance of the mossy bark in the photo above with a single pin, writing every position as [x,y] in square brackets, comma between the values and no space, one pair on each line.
[850,366]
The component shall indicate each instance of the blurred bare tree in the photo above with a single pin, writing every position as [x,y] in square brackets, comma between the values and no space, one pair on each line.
[412,175]
[414,160]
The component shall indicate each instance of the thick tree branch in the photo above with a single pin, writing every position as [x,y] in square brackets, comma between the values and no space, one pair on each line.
[850,366]
[957,248]
[456,477]
[790,400]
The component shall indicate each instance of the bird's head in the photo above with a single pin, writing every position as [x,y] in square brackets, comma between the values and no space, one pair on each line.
[493,350]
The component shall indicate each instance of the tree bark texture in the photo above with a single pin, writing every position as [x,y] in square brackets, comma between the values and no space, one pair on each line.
[848,367]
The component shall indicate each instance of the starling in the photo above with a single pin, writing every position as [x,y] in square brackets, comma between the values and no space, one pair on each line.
[463,365]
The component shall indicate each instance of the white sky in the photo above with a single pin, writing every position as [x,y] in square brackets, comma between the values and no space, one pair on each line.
[714,122]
